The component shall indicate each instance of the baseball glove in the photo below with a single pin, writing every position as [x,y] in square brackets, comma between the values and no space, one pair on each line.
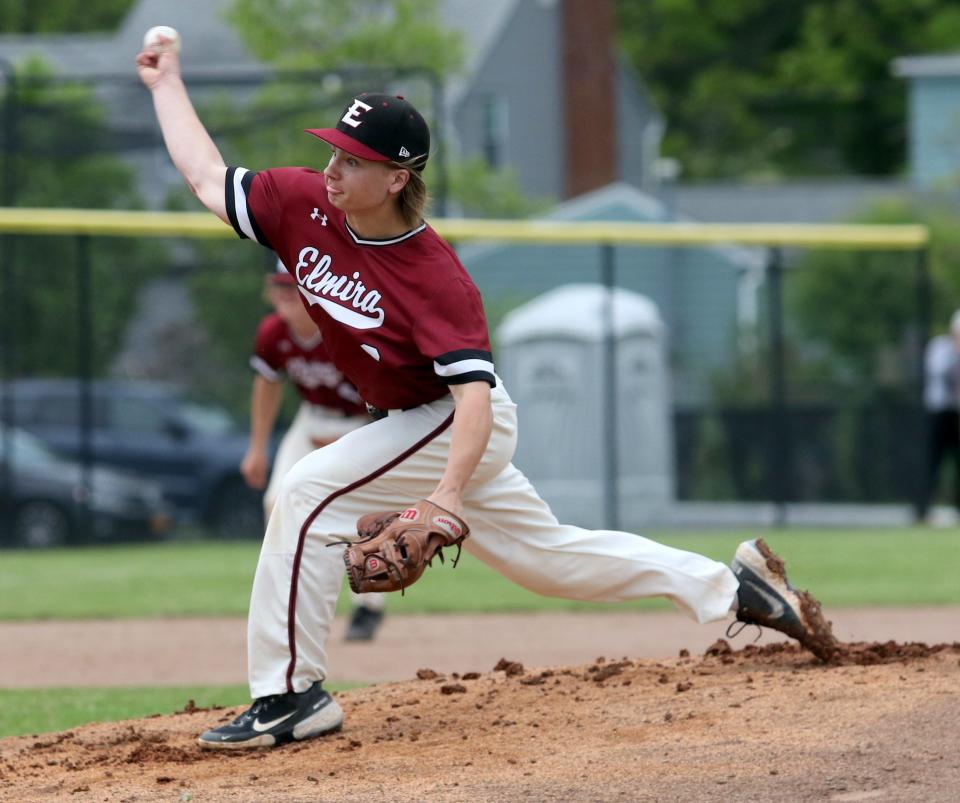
[395,549]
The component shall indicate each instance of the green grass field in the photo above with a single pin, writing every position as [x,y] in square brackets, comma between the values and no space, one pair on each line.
[207,578]
[35,711]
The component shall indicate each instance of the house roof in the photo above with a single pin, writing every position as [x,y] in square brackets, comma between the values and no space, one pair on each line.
[111,53]
[808,201]
[942,65]
[621,202]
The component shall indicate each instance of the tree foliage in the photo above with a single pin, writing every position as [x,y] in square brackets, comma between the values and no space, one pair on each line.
[62,16]
[329,34]
[388,39]
[51,117]
[861,308]
[783,87]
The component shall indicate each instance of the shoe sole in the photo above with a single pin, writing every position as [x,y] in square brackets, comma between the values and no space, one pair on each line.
[328,719]
[760,559]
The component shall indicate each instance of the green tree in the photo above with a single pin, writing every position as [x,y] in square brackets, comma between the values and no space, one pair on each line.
[857,308]
[56,163]
[329,34]
[361,43]
[782,87]
[61,16]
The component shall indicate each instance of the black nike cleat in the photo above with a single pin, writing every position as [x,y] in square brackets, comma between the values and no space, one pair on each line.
[766,599]
[765,596]
[277,719]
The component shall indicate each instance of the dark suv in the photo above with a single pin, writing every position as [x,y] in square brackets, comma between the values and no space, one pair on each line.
[192,448]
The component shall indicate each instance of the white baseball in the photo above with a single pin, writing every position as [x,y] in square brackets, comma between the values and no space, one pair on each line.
[151,39]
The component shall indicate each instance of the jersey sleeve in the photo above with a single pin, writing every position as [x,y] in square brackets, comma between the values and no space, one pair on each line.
[265,359]
[452,331]
[257,201]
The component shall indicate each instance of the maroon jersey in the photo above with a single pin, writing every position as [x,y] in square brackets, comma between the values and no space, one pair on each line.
[278,351]
[400,317]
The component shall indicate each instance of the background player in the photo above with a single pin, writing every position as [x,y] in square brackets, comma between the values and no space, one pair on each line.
[289,344]
[941,398]
[402,319]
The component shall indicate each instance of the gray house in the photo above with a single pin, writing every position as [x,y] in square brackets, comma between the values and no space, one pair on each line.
[706,296]
[545,93]
[934,119]
[542,91]
[105,60]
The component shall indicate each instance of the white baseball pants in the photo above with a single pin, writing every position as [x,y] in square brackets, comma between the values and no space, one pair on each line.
[392,462]
[312,423]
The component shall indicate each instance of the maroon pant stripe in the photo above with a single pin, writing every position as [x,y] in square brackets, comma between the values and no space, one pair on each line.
[295,579]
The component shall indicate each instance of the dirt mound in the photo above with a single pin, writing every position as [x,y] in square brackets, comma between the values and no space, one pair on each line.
[763,723]
[858,653]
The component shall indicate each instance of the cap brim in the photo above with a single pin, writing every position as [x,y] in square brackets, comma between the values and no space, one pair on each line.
[338,139]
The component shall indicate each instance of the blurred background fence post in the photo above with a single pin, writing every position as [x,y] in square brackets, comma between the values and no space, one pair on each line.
[608,392]
[778,428]
[922,334]
[85,351]
[8,196]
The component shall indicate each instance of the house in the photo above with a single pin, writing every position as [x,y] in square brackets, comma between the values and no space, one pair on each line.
[933,119]
[543,90]
[705,295]
[110,54]
[106,62]
[545,93]
[789,201]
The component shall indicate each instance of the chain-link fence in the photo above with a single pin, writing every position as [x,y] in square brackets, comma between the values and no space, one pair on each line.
[794,372]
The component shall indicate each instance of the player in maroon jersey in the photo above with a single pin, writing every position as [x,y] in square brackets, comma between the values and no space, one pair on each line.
[288,344]
[402,319]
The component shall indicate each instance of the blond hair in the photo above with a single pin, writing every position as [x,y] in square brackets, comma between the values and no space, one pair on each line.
[414,197]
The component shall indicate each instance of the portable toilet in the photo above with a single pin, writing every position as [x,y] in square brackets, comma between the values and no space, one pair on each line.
[553,356]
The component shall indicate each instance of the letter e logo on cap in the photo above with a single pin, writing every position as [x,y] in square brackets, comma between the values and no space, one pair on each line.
[350,117]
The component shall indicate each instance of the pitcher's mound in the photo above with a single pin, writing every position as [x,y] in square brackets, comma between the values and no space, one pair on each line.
[765,723]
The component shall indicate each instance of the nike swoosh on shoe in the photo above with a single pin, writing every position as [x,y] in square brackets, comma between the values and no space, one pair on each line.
[777,608]
[260,727]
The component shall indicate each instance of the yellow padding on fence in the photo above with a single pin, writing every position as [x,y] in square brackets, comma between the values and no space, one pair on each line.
[108,222]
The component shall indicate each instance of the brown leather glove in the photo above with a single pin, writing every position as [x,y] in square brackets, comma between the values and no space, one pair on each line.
[395,549]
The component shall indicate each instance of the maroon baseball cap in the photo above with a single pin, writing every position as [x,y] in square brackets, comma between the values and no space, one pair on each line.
[382,128]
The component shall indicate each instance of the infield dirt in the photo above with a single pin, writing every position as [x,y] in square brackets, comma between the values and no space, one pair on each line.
[766,723]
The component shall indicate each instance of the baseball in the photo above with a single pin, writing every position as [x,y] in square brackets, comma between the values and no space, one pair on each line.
[151,39]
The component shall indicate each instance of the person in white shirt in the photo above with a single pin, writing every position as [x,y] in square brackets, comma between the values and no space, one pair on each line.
[941,397]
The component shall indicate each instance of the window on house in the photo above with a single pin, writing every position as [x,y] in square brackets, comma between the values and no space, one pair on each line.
[494,130]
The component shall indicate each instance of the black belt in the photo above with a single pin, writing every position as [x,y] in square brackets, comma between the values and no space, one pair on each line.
[376,413]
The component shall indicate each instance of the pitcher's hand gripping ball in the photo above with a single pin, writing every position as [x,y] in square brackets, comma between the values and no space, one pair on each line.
[154,39]
[395,549]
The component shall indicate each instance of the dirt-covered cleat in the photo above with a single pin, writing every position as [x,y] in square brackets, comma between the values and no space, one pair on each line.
[767,599]
[277,719]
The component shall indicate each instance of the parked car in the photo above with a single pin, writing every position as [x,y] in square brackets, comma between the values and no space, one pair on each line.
[52,502]
[193,448]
